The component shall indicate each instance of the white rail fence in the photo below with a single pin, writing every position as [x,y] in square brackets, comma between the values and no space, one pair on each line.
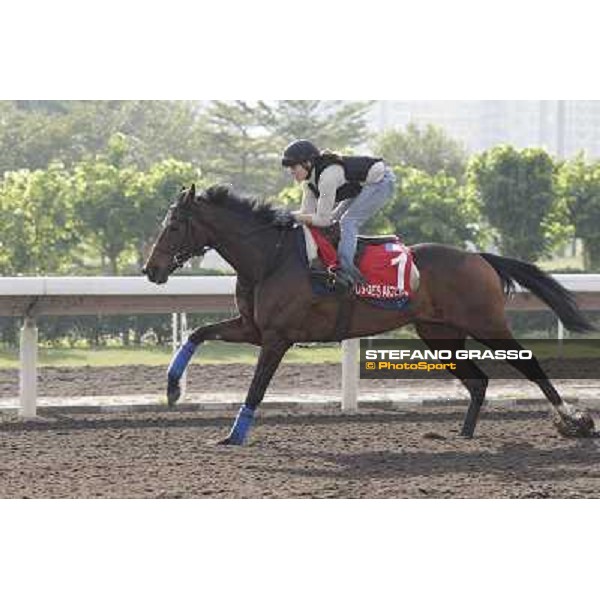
[31,297]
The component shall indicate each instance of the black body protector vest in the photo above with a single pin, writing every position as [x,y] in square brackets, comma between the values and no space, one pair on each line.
[356,169]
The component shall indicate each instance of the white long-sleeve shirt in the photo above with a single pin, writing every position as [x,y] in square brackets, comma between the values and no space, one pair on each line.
[332,178]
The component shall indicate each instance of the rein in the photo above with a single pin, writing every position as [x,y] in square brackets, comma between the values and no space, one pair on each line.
[274,257]
[272,263]
[180,257]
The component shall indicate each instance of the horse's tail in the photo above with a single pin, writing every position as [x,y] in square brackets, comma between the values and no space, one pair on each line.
[542,285]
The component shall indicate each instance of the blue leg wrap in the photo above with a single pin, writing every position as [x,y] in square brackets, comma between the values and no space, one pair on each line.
[241,426]
[176,369]
[180,361]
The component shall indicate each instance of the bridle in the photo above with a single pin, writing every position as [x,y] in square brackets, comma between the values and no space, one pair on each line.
[182,252]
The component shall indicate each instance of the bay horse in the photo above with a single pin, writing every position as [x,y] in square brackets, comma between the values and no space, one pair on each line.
[461,294]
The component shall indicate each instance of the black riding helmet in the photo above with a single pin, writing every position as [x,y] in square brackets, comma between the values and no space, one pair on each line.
[298,152]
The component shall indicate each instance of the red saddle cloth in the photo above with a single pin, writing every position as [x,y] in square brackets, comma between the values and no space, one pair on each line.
[386,267]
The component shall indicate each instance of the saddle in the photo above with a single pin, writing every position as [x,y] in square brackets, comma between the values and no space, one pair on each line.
[385,262]
[332,234]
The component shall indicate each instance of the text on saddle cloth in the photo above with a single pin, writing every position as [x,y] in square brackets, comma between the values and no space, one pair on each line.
[388,267]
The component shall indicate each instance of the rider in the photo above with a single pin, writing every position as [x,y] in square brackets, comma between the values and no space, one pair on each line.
[348,189]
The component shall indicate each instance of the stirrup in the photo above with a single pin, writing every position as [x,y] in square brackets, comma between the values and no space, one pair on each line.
[352,274]
[323,277]
[344,282]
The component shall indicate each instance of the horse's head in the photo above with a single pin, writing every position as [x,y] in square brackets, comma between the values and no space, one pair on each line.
[182,237]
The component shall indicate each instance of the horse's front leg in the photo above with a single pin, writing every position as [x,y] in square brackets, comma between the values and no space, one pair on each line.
[232,330]
[270,356]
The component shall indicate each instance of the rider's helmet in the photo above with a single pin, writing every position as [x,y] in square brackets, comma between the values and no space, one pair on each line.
[298,152]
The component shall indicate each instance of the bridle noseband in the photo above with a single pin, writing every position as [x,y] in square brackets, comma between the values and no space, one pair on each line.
[181,252]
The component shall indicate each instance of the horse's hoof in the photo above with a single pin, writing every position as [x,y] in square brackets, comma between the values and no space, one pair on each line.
[228,441]
[173,393]
[577,423]
[225,442]
[467,433]
[432,435]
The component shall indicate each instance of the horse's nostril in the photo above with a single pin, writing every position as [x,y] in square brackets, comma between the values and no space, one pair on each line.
[149,272]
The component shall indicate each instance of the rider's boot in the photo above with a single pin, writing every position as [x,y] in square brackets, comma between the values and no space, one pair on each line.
[346,279]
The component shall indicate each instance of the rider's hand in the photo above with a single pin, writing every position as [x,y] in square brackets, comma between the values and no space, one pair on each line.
[284,219]
[304,218]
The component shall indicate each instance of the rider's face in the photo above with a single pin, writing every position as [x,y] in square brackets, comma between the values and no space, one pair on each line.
[299,173]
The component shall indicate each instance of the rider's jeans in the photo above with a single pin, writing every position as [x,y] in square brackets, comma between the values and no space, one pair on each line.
[355,212]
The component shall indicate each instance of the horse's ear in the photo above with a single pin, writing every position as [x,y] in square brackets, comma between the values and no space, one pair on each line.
[190,194]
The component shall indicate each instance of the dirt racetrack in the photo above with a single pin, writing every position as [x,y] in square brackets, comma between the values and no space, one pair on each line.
[320,453]
[235,378]
[202,378]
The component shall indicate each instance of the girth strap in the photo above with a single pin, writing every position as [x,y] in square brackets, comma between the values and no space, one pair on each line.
[344,314]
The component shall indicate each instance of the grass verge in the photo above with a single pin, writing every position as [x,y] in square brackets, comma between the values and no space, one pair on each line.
[209,353]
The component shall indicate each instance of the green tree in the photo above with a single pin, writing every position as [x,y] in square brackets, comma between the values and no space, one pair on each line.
[236,142]
[34,133]
[152,192]
[242,151]
[517,195]
[106,203]
[38,232]
[160,130]
[246,139]
[428,149]
[329,124]
[579,187]
[430,208]
[290,197]
[31,139]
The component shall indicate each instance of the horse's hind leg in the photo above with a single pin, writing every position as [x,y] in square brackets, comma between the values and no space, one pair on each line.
[444,337]
[569,421]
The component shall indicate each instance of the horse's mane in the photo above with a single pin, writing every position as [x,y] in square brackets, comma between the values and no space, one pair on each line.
[264,212]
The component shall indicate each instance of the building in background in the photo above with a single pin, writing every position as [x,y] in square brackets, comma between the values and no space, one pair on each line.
[562,127]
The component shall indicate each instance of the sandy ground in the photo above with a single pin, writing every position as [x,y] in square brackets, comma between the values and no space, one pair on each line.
[401,453]
[300,379]
[143,380]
